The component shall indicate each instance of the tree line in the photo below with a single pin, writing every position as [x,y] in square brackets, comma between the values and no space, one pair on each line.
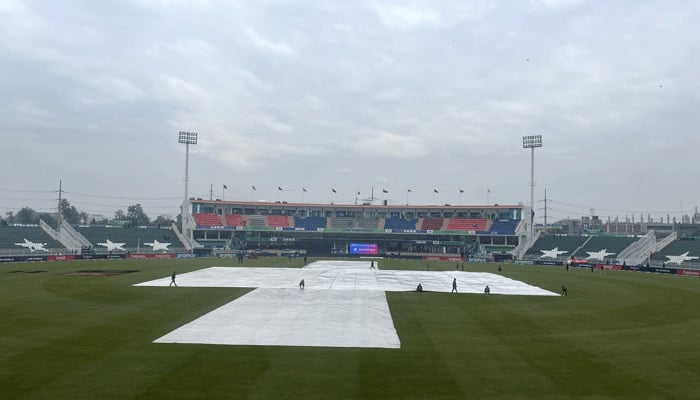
[134,216]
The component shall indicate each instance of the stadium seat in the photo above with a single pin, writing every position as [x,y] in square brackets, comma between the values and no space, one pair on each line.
[207,220]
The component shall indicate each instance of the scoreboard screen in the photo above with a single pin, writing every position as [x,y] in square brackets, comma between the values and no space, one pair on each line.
[364,248]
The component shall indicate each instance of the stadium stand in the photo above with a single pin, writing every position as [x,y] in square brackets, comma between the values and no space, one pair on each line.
[257,221]
[504,227]
[678,247]
[400,223]
[563,243]
[467,224]
[367,223]
[310,223]
[100,234]
[611,244]
[236,220]
[433,224]
[207,220]
[9,235]
[134,238]
[342,222]
[277,221]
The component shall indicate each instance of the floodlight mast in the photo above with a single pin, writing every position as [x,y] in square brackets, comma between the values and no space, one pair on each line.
[187,138]
[531,142]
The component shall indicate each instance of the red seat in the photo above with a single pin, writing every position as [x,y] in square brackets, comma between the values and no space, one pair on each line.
[277,221]
[207,220]
[467,224]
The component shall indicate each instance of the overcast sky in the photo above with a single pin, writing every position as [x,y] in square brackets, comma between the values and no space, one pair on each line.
[351,95]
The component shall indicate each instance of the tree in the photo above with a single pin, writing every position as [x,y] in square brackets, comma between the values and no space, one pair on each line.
[10,217]
[48,218]
[27,215]
[163,220]
[84,218]
[69,213]
[137,216]
[119,215]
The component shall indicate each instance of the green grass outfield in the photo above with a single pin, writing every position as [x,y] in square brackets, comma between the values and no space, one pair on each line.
[618,335]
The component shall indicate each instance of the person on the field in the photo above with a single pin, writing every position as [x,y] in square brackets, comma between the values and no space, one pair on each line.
[487,290]
[301,284]
[304,259]
[419,288]
[454,285]
[564,290]
[172,279]
[371,265]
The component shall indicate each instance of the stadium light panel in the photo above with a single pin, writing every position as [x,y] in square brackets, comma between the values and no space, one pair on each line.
[530,142]
[187,137]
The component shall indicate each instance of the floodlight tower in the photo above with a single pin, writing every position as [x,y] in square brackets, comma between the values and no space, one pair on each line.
[187,138]
[531,142]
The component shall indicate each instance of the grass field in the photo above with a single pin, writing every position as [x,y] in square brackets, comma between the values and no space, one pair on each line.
[618,335]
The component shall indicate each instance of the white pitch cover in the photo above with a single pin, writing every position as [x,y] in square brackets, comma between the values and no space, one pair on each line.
[343,303]
[292,317]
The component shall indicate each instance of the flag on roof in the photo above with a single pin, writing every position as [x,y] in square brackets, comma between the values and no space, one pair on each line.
[334,191]
[225,187]
[254,187]
[461,190]
[435,190]
[385,191]
[279,188]
[304,189]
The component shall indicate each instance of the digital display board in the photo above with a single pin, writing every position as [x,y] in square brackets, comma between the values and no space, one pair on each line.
[364,248]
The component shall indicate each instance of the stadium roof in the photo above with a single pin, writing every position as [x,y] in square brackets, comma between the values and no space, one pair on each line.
[393,206]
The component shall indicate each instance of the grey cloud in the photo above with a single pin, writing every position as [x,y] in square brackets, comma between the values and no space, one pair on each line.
[351,95]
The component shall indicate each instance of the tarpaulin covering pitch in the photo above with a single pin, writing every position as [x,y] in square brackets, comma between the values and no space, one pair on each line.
[343,303]
[342,275]
[291,317]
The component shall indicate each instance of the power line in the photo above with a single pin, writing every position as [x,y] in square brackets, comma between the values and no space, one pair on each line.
[122,205]
[27,191]
[121,198]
